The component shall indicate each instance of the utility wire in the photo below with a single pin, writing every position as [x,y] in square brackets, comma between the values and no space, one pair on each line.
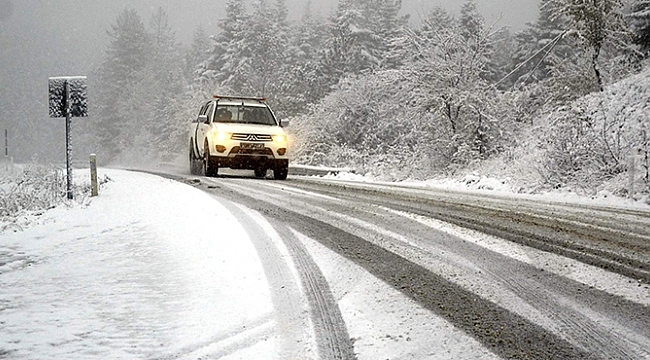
[550,45]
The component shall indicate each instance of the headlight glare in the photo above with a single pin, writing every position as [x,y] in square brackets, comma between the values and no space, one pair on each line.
[222,136]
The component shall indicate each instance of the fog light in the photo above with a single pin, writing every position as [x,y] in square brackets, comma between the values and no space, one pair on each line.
[221,148]
[282,151]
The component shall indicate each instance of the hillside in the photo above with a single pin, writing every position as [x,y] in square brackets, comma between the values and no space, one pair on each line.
[591,146]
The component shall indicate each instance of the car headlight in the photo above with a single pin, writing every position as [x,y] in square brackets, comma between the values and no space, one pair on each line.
[282,139]
[222,136]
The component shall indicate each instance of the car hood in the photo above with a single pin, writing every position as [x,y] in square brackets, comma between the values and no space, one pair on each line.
[249,128]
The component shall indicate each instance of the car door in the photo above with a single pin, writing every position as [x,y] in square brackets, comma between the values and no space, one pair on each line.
[203,127]
[194,129]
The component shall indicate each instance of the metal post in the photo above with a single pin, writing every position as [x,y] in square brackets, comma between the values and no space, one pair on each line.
[93,175]
[68,146]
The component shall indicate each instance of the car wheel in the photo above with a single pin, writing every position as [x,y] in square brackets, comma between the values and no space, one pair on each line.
[260,172]
[195,163]
[280,173]
[208,169]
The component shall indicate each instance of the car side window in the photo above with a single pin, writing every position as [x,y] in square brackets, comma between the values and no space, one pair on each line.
[209,111]
[201,112]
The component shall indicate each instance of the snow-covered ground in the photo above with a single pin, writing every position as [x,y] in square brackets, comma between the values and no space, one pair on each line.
[149,268]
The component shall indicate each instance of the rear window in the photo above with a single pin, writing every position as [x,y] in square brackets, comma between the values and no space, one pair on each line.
[244,115]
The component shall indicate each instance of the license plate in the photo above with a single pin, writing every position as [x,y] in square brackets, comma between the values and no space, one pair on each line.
[252,146]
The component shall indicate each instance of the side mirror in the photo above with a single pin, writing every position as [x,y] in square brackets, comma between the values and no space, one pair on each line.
[203,119]
[284,123]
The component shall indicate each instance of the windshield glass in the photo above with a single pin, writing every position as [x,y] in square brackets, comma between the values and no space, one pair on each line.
[244,115]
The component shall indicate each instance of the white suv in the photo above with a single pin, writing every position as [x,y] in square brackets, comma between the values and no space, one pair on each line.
[239,133]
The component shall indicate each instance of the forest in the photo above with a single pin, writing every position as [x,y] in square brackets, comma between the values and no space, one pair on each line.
[562,104]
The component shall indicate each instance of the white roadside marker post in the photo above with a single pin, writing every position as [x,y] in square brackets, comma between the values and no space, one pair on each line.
[7,150]
[93,176]
[631,176]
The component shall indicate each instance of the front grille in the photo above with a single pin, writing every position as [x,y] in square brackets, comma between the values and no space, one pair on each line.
[251,137]
[239,151]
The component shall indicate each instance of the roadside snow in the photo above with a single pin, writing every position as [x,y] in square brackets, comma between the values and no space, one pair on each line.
[479,184]
[150,268]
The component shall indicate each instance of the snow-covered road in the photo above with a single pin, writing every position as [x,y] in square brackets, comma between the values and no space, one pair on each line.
[241,268]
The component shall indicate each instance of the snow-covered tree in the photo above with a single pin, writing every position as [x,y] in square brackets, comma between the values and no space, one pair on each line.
[227,54]
[473,28]
[197,53]
[541,46]
[125,60]
[449,73]
[595,23]
[362,34]
[264,44]
[167,82]
[472,23]
[349,46]
[639,19]
[302,80]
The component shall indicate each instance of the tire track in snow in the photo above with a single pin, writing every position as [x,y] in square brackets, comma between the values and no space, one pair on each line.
[292,325]
[611,249]
[330,333]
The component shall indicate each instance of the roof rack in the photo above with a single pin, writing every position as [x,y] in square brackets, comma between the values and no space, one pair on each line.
[239,97]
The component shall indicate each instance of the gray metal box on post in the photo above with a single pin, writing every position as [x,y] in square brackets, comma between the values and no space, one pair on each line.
[67,98]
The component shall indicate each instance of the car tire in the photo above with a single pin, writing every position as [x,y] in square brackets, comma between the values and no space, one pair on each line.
[209,169]
[260,172]
[195,163]
[280,173]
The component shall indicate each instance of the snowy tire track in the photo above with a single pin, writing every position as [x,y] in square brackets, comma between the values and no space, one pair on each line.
[615,246]
[330,333]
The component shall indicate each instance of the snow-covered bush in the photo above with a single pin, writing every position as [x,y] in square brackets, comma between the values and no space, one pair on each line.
[367,124]
[33,189]
[592,140]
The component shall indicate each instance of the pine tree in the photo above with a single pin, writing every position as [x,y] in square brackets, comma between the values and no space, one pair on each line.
[197,53]
[346,43]
[472,24]
[436,20]
[388,26]
[226,54]
[126,58]
[165,84]
[264,45]
[303,80]
[639,19]
[362,36]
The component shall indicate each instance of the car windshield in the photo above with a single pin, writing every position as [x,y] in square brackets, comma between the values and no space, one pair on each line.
[244,115]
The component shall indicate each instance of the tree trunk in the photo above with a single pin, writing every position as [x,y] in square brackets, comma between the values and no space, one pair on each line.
[594,64]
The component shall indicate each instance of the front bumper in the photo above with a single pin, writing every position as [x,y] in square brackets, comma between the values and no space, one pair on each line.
[236,156]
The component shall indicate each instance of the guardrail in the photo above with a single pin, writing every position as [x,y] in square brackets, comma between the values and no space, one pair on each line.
[306,170]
